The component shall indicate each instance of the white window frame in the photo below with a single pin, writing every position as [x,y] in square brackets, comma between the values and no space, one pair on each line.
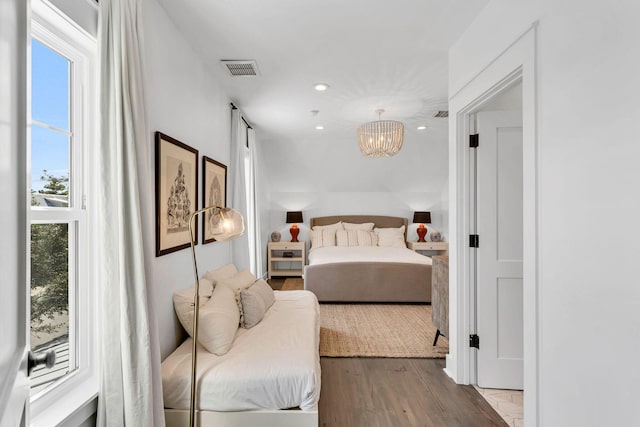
[57,402]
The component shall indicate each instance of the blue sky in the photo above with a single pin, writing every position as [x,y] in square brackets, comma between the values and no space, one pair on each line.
[50,105]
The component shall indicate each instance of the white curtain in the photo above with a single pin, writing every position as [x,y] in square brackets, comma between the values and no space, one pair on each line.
[239,152]
[126,394]
[255,245]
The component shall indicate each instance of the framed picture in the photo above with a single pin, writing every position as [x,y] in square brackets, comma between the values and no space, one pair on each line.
[176,193]
[214,183]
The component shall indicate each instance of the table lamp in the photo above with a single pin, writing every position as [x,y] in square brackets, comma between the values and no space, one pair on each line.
[422,218]
[294,217]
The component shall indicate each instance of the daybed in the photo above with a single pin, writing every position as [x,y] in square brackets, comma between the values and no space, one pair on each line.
[371,274]
[270,376]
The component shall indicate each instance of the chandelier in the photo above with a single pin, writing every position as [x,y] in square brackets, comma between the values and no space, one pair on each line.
[382,138]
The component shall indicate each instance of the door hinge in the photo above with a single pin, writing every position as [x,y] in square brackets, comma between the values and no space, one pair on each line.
[474,141]
[474,241]
[474,341]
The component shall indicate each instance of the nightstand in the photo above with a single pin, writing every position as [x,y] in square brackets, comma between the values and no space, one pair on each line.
[276,255]
[441,247]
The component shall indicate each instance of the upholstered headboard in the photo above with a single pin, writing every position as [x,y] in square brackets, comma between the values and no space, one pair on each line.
[379,221]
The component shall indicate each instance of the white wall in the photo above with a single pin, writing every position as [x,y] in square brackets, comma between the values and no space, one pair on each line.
[324,176]
[184,102]
[589,298]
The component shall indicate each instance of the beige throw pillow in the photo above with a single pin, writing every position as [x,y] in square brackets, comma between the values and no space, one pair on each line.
[336,226]
[323,238]
[240,281]
[367,238]
[255,301]
[219,319]
[391,237]
[183,303]
[367,226]
[347,238]
[225,272]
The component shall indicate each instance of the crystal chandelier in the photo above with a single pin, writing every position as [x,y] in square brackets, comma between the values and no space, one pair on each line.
[382,138]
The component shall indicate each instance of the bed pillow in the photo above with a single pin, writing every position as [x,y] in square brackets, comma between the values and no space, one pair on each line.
[367,226]
[240,281]
[367,238]
[255,301]
[219,319]
[391,237]
[225,272]
[347,238]
[323,238]
[336,226]
[183,303]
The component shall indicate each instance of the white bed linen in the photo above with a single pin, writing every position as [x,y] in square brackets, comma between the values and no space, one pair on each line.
[337,254]
[274,365]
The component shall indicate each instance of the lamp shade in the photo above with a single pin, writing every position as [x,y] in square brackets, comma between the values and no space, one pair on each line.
[294,217]
[229,226]
[422,217]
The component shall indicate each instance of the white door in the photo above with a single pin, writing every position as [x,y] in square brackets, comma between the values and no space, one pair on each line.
[499,255]
[14,388]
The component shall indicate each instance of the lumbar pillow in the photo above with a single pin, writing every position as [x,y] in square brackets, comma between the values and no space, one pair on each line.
[225,272]
[240,281]
[255,301]
[367,238]
[336,226]
[347,238]
[219,319]
[367,226]
[392,237]
[183,303]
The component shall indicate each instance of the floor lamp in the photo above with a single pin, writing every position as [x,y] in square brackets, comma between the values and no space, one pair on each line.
[227,224]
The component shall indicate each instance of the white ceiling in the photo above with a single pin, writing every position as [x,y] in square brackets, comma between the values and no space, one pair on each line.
[374,54]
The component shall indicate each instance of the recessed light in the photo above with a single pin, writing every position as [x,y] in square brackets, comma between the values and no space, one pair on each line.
[319,127]
[321,87]
[422,127]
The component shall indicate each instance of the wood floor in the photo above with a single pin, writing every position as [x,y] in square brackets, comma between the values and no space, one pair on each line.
[385,392]
[372,392]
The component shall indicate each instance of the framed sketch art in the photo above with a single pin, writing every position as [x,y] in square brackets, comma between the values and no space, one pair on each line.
[214,184]
[176,193]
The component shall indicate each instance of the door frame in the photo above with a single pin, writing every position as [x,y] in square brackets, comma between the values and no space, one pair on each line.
[518,62]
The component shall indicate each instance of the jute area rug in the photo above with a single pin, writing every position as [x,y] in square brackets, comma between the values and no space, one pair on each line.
[376,330]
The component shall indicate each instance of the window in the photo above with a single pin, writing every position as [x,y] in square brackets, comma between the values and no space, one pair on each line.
[63,112]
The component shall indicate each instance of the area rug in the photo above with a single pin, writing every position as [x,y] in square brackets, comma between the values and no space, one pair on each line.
[376,330]
[379,330]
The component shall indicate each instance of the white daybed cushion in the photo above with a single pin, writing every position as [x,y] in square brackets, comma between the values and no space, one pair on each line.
[340,254]
[393,237]
[219,319]
[183,303]
[274,365]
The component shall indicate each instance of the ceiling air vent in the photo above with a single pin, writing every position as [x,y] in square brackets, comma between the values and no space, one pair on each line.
[441,114]
[240,68]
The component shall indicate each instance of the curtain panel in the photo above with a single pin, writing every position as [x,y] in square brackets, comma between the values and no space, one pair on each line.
[126,393]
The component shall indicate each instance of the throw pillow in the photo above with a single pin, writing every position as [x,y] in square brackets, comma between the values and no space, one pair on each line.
[224,272]
[240,281]
[347,238]
[255,301]
[336,226]
[367,226]
[183,303]
[219,319]
[367,238]
[391,237]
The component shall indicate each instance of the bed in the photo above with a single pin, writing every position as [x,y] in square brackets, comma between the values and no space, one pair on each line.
[375,275]
[270,376]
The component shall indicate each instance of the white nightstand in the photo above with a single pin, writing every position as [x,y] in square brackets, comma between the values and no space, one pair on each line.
[275,255]
[441,247]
